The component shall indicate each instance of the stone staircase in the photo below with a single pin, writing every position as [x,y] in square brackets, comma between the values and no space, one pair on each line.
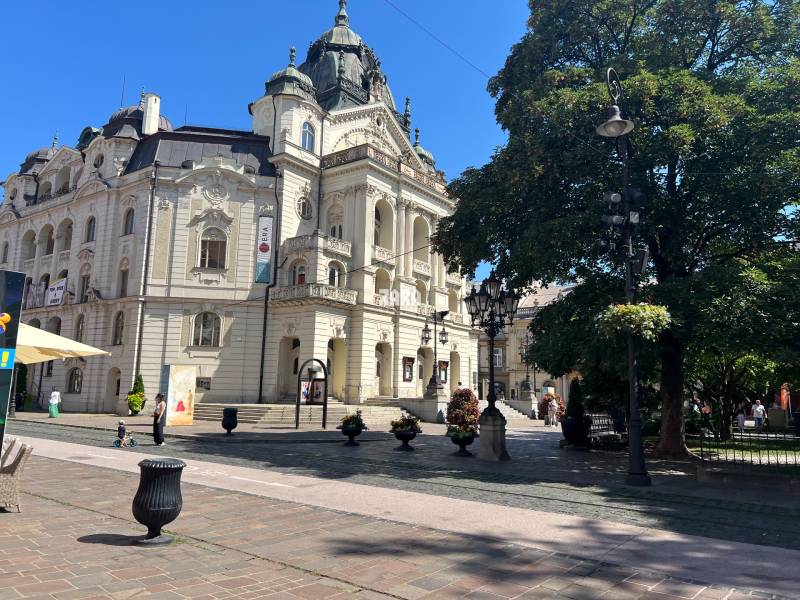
[514,417]
[283,415]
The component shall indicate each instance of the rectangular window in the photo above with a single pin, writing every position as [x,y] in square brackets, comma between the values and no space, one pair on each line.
[203,383]
[498,357]
[212,254]
[48,372]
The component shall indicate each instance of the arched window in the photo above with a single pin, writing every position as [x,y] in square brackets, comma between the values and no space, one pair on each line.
[123,278]
[35,323]
[335,222]
[299,273]
[119,329]
[307,141]
[376,238]
[91,225]
[44,282]
[28,245]
[79,326]
[335,275]
[62,181]
[74,381]
[5,252]
[64,235]
[45,191]
[83,284]
[213,247]
[127,226]
[207,327]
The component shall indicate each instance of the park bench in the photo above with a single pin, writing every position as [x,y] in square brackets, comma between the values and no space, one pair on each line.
[11,475]
[604,431]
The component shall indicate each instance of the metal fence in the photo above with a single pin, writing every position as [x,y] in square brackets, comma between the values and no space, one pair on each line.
[777,448]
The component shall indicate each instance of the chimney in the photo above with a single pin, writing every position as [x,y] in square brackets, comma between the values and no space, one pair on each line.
[152,111]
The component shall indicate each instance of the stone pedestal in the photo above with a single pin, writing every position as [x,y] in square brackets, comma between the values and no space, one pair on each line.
[121,409]
[492,436]
[436,399]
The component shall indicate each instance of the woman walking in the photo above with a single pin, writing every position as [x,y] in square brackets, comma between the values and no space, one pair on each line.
[159,414]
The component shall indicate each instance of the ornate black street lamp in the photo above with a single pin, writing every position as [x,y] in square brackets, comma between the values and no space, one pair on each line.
[618,128]
[491,308]
[443,336]
[524,345]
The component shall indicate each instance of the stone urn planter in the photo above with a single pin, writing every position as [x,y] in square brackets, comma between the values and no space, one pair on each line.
[158,500]
[462,441]
[230,419]
[405,437]
[352,433]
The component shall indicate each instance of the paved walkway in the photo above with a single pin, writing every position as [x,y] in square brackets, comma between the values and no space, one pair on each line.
[350,539]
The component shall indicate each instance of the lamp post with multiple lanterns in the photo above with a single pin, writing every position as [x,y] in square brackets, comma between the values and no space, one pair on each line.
[437,317]
[524,345]
[618,128]
[491,308]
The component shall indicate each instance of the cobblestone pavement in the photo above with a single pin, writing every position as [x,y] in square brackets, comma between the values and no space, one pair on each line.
[541,477]
[73,541]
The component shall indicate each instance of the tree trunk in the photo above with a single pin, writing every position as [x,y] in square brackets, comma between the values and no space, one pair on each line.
[672,443]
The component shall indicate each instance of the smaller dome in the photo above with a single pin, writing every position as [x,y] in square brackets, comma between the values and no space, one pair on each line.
[136,113]
[42,154]
[291,71]
[425,156]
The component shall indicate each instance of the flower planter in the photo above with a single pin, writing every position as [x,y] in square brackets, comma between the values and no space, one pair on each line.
[462,441]
[405,437]
[158,500]
[230,419]
[351,433]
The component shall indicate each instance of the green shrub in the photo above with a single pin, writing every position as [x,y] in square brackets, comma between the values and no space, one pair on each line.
[136,398]
[575,405]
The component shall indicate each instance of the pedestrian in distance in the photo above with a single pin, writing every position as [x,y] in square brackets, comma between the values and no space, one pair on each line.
[758,415]
[552,411]
[740,416]
[159,415]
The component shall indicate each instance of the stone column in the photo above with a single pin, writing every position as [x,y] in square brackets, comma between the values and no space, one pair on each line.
[409,247]
[400,242]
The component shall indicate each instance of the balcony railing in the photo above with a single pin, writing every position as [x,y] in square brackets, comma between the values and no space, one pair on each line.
[422,267]
[454,278]
[53,195]
[425,309]
[317,241]
[356,153]
[381,254]
[63,256]
[314,291]
[27,265]
[457,318]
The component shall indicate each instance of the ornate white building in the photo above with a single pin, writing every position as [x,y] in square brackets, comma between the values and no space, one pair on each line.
[155,231]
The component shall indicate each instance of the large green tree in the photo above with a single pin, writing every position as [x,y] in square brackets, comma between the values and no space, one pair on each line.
[714,90]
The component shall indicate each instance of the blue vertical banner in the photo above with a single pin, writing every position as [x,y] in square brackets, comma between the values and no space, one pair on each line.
[264,251]
[11,285]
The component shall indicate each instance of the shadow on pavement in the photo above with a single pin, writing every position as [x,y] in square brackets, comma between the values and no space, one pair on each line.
[110,539]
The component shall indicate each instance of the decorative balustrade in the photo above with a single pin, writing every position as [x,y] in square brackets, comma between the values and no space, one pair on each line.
[454,278]
[425,310]
[383,300]
[317,241]
[338,246]
[314,291]
[381,254]
[63,256]
[457,318]
[422,267]
[395,164]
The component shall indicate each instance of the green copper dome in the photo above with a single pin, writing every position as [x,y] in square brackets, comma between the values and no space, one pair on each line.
[343,69]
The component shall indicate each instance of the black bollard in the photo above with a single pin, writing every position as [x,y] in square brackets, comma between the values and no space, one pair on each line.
[230,419]
[158,500]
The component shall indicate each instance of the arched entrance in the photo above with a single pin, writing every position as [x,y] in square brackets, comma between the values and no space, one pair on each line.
[337,367]
[288,359]
[113,382]
[424,369]
[455,371]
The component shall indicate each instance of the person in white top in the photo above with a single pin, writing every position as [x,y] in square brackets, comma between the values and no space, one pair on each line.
[758,415]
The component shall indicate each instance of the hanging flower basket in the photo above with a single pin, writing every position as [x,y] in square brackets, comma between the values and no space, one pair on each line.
[643,320]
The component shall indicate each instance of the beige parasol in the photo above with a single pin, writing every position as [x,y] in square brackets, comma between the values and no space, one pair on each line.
[36,346]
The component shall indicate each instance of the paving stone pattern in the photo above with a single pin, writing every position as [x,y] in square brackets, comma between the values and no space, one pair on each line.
[73,541]
[541,477]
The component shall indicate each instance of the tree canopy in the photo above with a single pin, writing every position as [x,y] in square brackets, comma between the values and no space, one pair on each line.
[714,90]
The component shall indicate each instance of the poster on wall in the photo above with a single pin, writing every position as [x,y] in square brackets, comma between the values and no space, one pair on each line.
[11,286]
[180,395]
[264,250]
[408,368]
[55,293]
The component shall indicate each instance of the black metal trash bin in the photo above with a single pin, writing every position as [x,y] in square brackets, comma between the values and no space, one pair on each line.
[230,419]
[158,500]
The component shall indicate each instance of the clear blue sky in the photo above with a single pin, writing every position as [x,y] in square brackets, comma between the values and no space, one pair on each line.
[63,64]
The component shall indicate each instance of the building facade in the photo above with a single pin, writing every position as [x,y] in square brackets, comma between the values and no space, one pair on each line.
[510,370]
[143,240]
